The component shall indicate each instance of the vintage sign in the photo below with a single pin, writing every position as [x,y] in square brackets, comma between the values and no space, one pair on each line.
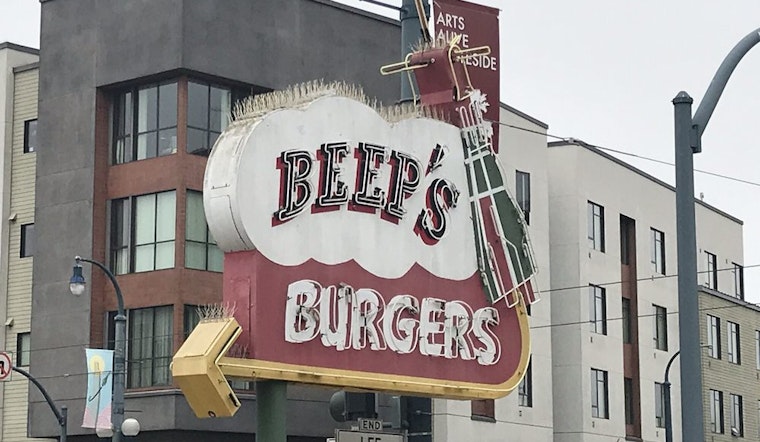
[357,254]
[475,26]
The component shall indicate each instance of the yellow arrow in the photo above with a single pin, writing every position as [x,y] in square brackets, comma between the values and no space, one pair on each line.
[196,369]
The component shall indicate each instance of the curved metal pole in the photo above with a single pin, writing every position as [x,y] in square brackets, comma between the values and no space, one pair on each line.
[668,412]
[688,134]
[719,81]
[61,416]
[120,345]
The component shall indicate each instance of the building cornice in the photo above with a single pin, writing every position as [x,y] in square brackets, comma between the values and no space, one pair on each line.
[583,144]
[19,48]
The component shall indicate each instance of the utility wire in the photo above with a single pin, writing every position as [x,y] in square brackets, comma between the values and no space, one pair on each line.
[181,335]
[575,141]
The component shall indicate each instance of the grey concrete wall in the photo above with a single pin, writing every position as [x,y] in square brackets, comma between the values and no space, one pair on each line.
[86,44]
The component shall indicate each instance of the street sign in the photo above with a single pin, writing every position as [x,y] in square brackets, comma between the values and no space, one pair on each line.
[6,366]
[375,425]
[358,436]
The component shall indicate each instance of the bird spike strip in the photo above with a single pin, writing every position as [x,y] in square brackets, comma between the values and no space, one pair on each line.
[215,312]
[301,94]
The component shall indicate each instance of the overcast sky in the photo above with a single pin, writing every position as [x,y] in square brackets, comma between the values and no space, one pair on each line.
[605,71]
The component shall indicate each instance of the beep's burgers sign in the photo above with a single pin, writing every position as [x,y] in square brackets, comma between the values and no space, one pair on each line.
[370,251]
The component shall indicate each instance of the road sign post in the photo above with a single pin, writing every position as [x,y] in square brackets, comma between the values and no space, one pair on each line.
[361,436]
[6,366]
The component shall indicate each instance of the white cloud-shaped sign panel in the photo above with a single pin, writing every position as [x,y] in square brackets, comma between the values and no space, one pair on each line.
[333,181]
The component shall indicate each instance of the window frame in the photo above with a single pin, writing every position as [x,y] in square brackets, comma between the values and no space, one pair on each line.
[657,255]
[736,413]
[712,271]
[717,417]
[660,335]
[23,349]
[596,226]
[525,388]
[483,410]
[28,148]
[126,209]
[713,337]
[598,295]
[207,129]
[27,241]
[122,116]
[734,342]
[209,244]
[626,320]
[659,405]
[630,417]
[522,186]
[140,362]
[599,394]
[738,274]
[757,349]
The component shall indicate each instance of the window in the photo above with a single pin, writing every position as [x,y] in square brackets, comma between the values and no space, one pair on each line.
[207,113]
[659,405]
[628,392]
[757,349]
[712,271]
[26,248]
[595,226]
[738,273]
[716,411]
[525,389]
[737,416]
[201,251]
[658,251]
[191,318]
[483,409]
[30,136]
[660,328]
[599,394]
[23,346]
[523,194]
[734,351]
[142,233]
[598,309]
[713,336]
[145,123]
[149,345]
[626,321]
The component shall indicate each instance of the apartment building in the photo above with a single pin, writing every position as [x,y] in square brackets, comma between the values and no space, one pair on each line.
[527,413]
[135,94]
[730,328]
[614,293]
[18,138]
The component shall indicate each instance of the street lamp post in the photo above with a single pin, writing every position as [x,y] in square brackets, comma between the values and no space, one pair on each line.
[666,387]
[688,134]
[76,285]
[61,416]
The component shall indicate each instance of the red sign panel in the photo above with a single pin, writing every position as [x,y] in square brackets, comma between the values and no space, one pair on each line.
[478,26]
[367,253]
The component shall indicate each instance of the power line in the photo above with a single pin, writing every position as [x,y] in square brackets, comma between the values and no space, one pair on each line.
[575,141]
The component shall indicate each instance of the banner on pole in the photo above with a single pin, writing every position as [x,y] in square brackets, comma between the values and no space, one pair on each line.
[97,411]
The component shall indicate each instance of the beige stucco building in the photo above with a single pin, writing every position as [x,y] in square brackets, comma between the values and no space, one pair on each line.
[18,115]
[731,364]
[614,293]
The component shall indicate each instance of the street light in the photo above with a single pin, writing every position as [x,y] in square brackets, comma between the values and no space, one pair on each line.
[77,285]
[688,135]
[61,416]
[666,393]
